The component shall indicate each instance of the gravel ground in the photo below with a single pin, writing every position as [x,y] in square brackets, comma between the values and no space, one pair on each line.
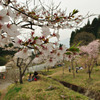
[4,84]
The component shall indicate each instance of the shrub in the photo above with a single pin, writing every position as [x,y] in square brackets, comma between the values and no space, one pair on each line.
[3,61]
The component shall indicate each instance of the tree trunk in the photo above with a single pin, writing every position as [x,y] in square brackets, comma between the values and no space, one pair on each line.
[21,80]
[89,74]
[63,70]
[73,68]
[20,77]
[48,69]
[73,72]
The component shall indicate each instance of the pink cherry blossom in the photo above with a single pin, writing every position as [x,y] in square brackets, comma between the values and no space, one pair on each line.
[3,16]
[24,53]
[45,31]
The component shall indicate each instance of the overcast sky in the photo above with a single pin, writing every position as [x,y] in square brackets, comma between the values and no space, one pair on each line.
[84,6]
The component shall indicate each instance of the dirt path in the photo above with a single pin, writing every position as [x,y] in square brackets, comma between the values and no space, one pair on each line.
[3,94]
[4,84]
[3,87]
[60,71]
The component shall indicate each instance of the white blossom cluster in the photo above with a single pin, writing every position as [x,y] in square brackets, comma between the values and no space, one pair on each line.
[13,17]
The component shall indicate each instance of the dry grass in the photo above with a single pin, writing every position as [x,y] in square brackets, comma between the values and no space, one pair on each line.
[38,90]
[81,78]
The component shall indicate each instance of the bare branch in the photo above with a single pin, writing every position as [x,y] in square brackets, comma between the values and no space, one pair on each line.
[57,6]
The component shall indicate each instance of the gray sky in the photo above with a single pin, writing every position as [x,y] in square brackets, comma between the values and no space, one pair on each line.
[84,6]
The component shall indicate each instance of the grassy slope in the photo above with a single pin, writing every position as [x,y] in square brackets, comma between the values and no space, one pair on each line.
[38,90]
[82,78]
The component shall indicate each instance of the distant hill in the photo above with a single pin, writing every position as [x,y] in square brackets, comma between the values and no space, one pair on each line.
[87,33]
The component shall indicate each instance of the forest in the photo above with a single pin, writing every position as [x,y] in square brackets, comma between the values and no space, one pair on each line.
[86,34]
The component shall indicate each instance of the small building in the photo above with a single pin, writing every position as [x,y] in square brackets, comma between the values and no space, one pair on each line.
[2,72]
[2,69]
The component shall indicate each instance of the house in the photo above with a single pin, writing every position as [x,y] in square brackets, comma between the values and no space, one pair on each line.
[2,69]
[2,72]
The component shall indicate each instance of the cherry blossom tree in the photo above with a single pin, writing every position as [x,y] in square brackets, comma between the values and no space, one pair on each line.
[92,52]
[19,24]
[73,54]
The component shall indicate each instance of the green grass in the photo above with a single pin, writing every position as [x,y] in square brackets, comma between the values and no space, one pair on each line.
[38,90]
[12,92]
[81,78]
[0,94]
[50,72]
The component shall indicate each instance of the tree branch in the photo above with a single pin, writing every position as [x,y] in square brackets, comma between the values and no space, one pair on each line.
[26,67]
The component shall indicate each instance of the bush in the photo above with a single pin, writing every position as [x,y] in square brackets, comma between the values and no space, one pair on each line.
[13,75]
[3,61]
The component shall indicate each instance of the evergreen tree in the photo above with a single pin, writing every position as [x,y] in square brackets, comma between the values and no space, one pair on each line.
[93,28]
[72,37]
